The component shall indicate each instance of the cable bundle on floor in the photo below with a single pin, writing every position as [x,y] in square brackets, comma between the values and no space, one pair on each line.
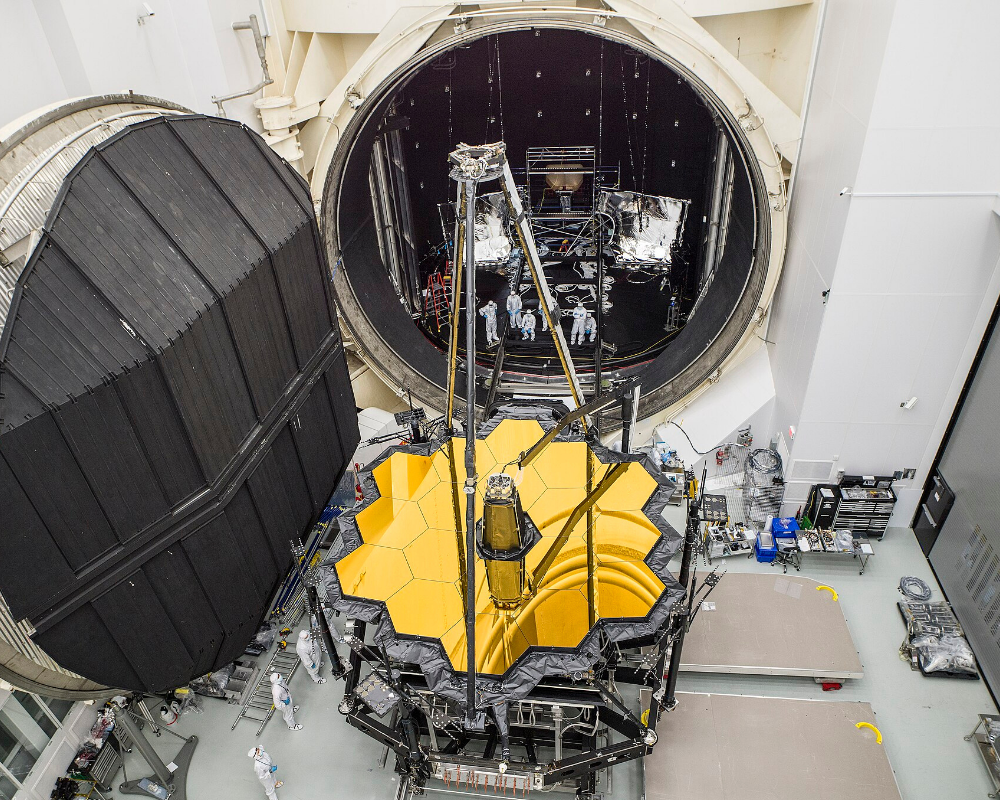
[914,588]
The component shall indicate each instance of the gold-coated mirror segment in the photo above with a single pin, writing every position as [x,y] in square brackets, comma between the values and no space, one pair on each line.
[389,522]
[410,560]
[630,492]
[402,475]
[499,642]
[425,608]
[373,572]
[433,555]
[510,438]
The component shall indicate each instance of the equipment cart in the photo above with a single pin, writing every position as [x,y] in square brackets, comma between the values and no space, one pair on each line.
[825,543]
[722,542]
[985,741]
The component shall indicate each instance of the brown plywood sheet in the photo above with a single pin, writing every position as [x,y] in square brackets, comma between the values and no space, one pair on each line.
[731,747]
[766,624]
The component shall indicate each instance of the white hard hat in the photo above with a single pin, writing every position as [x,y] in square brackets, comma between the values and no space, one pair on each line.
[252,753]
[275,677]
[303,634]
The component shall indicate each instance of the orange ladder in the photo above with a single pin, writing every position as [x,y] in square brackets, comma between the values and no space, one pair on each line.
[436,300]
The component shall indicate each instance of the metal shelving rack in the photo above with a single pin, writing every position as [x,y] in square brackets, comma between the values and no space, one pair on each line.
[987,750]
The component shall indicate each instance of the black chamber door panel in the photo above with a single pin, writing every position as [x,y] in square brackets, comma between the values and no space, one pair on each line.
[174,403]
[966,552]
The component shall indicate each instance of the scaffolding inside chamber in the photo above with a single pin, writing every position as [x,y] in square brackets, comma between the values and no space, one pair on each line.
[597,244]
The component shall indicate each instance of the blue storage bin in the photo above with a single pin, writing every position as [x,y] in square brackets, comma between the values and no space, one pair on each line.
[780,525]
[765,548]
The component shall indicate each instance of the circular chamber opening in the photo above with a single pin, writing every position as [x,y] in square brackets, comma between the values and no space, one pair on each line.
[645,204]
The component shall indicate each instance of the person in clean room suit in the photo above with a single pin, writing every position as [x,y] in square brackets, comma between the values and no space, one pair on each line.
[310,655]
[490,312]
[283,701]
[579,322]
[265,769]
[528,325]
[514,309]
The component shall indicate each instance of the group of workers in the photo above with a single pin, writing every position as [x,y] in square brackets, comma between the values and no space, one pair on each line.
[311,655]
[584,324]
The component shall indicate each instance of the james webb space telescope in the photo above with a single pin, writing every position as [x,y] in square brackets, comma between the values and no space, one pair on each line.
[497,604]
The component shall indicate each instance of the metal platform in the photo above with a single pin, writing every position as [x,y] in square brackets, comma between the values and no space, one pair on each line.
[729,747]
[767,624]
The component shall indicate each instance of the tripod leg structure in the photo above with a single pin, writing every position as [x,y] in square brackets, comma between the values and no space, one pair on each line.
[163,782]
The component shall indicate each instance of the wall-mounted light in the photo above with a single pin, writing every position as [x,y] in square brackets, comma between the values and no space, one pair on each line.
[908,404]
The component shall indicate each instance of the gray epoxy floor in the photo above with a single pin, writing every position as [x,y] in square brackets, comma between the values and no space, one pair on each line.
[922,719]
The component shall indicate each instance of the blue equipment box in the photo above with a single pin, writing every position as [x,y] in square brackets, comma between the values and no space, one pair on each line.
[765,548]
[780,525]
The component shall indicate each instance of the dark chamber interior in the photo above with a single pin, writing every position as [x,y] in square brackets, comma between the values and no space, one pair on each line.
[174,403]
[651,131]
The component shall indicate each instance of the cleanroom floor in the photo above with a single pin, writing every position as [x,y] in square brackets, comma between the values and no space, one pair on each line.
[922,719]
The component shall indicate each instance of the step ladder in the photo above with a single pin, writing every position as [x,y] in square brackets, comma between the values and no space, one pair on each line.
[436,300]
[259,706]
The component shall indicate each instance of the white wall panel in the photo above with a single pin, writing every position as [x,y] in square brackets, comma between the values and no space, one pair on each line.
[832,148]
[843,350]
[910,445]
[949,159]
[866,448]
[186,53]
[865,25]
[867,256]
[938,61]
[817,441]
[744,393]
[795,326]
[39,81]
[912,278]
